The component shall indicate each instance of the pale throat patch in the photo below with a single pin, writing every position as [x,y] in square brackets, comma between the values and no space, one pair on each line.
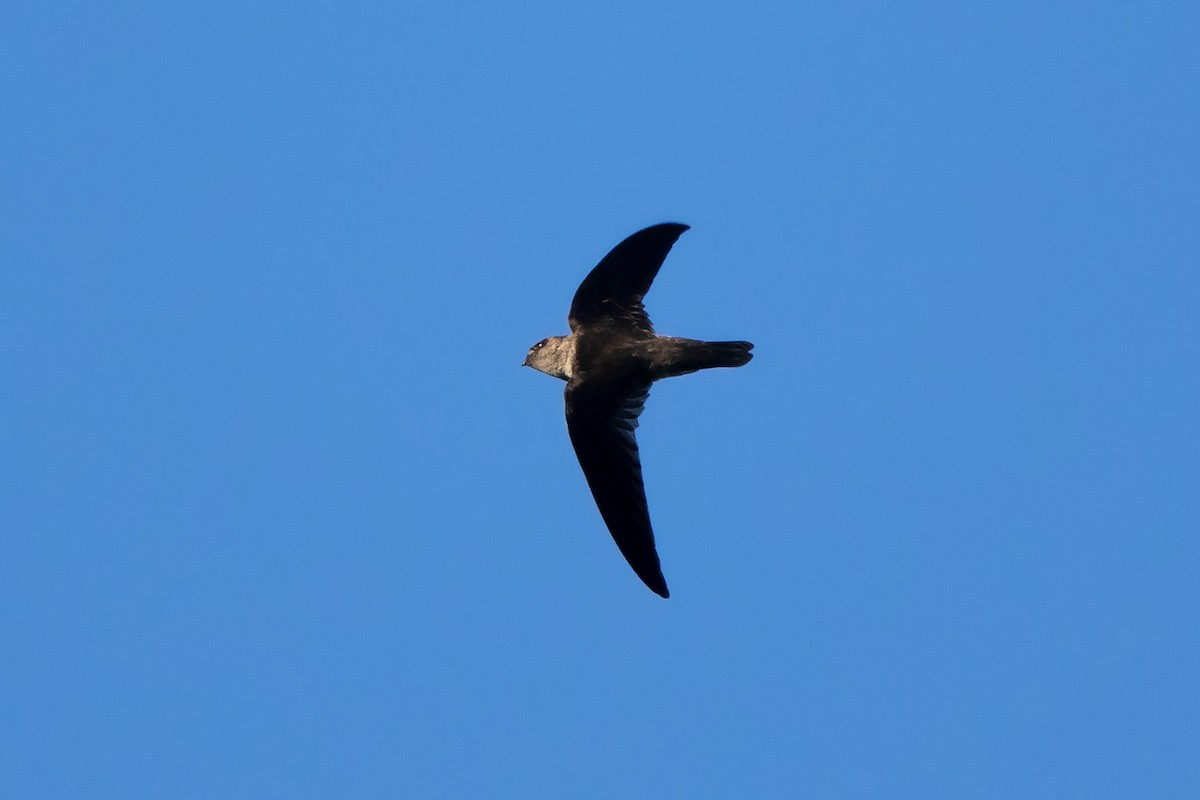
[564,357]
[556,357]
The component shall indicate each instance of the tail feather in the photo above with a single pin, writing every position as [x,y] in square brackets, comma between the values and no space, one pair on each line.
[690,355]
[729,354]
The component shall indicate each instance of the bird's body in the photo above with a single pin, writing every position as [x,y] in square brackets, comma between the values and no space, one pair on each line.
[609,361]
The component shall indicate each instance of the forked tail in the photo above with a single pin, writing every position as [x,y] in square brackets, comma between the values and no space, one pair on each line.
[728,354]
[690,355]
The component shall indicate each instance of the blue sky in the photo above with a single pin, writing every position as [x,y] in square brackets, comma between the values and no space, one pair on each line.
[282,516]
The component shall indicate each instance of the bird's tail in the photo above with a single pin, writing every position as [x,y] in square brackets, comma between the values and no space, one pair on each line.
[727,354]
[690,355]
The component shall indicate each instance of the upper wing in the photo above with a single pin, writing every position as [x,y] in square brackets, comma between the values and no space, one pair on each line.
[601,425]
[614,289]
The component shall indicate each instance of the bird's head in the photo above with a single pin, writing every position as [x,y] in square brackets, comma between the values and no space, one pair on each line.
[554,356]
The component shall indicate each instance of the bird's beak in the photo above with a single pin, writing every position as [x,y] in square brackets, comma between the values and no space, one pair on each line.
[525,363]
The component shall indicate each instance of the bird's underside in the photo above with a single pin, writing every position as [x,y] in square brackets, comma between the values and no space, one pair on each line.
[609,361]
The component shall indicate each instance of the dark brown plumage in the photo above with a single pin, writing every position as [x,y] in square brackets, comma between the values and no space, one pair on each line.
[609,361]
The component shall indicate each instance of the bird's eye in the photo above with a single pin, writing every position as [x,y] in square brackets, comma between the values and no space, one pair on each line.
[540,345]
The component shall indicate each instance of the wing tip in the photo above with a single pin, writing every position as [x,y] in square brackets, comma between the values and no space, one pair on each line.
[678,228]
[657,584]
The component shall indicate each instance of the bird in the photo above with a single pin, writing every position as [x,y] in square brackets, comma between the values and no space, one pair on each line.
[609,360]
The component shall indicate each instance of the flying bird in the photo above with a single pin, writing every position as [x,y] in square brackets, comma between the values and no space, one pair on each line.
[609,360]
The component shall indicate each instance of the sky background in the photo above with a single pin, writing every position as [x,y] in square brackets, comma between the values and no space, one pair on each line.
[282,516]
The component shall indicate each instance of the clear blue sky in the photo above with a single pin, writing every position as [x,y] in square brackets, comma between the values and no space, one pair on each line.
[283,517]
